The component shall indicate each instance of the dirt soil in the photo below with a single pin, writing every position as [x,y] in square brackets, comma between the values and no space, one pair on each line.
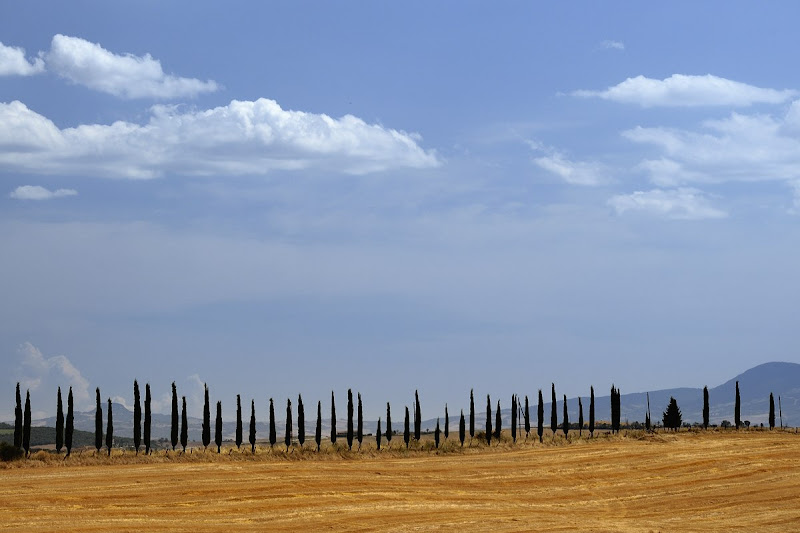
[729,481]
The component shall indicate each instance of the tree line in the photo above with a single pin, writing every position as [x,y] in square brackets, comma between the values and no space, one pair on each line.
[520,418]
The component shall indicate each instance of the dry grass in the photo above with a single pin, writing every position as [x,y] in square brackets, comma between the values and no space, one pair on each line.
[688,482]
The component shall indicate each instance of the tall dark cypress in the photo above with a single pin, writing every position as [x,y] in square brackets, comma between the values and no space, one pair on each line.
[580,417]
[565,424]
[147,418]
[498,430]
[184,425]
[417,417]
[98,423]
[333,419]
[436,434]
[540,417]
[360,423]
[60,423]
[378,435]
[446,422]
[737,410]
[110,429]
[647,420]
[553,412]
[388,425]
[406,429]
[26,424]
[771,412]
[18,421]
[218,428]
[206,419]
[706,408]
[591,411]
[349,419]
[174,428]
[613,408]
[273,436]
[318,430]
[462,426]
[70,424]
[471,417]
[238,422]
[527,415]
[301,420]
[514,418]
[488,420]
[137,417]
[288,437]
[252,436]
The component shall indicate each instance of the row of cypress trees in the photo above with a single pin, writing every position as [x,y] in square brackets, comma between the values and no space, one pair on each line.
[179,431]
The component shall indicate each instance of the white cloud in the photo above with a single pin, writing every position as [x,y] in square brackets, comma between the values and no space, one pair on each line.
[126,76]
[573,172]
[36,370]
[681,203]
[242,138]
[13,62]
[35,192]
[612,45]
[686,90]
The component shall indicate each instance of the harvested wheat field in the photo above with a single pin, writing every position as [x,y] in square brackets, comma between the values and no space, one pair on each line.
[716,481]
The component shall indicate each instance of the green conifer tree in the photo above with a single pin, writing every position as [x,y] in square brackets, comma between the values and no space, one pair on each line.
[318,430]
[98,423]
[273,435]
[647,421]
[301,421]
[137,417]
[488,421]
[69,427]
[471,417]
[288,438]
[147,418]
[553,412]
[18,421]
[333,419]
[446,423]
[771,412]
[110,429]
[737,410]
[565,424]
[540,417]
[26,425]
[514,418]
[417,418]
[580,417]
[252,436]
[360,423]
[527,419]
[174,427]
[378,435]
[436,434]
[706,409]
[388,425]
[591,412]
[406,429]
[672,415]
[218,428]
[498,423]
[206,419]
[462,427]
[184,425]
[349,419]
[238,422]
[60,423]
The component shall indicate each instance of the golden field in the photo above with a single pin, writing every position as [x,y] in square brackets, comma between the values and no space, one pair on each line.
[692,481]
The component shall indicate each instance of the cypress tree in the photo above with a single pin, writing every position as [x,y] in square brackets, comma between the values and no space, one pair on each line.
[436,434]
[446,422]
[301,421]
[771,412]
[647,414]
[780,412]
[110,429]
[98,423]
[406,429]
[617,410]
[349,419]
[137,417]
[540,416]
[514,418]
[462,426]
[318,432]
[252,436]
[580,417]
[273,436]
[206,420]
[360,423]
[378,435]
[147,418]
[498,423]
[388,425]
[18,420]
[591,411]
[417,417]
[70,425]
[488,421]
[238,421]
[705,408]
[565,425]
[527,419]
[218,429]
[553,412]
[333,419]
[471,417]
[174,427]
[184,425]
[60,423]
[737,410]
[288,438]
[613,409]
[26,424]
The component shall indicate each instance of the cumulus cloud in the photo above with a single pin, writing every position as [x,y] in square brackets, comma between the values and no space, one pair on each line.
[681,203]
[36,370]
[680,90]
[13,62]
[573,172]
[242,138]
[612,45]
[126,76]
[35,192]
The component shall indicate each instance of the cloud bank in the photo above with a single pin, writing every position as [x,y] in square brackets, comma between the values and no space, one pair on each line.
[126,76]
[242,138]
[681,204]
[680,90]
[35,192]
[13,62]
[47,373]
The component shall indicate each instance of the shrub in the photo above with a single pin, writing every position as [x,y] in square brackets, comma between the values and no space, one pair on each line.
[9,452]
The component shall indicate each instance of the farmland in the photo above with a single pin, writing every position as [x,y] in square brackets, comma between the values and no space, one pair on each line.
[715,481]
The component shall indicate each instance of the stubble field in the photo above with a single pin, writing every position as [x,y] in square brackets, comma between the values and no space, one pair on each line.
[716,481]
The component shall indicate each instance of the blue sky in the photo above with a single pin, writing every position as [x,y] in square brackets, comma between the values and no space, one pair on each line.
[312,196]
